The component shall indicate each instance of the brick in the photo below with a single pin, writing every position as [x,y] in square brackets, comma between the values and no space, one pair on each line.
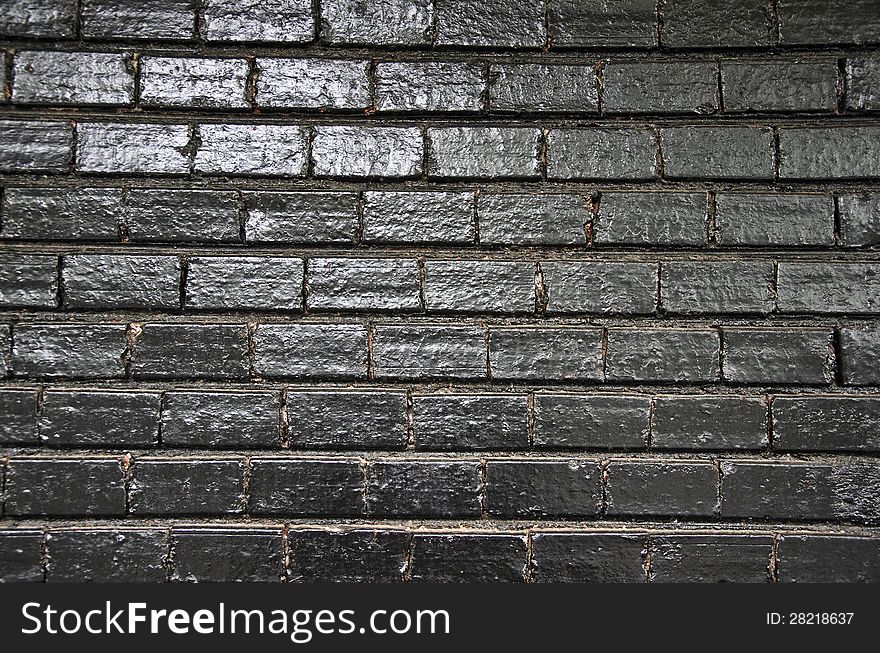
[779,85]
[826,423]
[107,555]
[536,87]
[273,217]
[602,153]
[546,353]
[138,19]
[863,84]
[87,487]
[204,351]
[765,356]
[99,418]
[479,558]
[313,83]
[7,351]
[31,146]
[678,87]
[612,24]
[18,417]
[774,220]
[729,152]
[836,287]
[357,151]
[72,78]
[466,422]
[841,152]
[827,559]
[860,345]
[333,351]
[279,21]
[651,219]
[396,22]
[62,214]
[859,219]
[588,557]
[306,487]
[495,152]
[423,488]
[429,351]
[799,490]
[671,355]
[570,421]
[711,559]
[700,24]
[430,86]
[166,215]
[355,284]
[244,283]
[479,286]
[113,281]
[501,24]
[543,488]
[600,287]
[121,148]
[421,217]
[39,18]
[524,219]
[817,22]
[193,82]
[216,555]
[345,419]
[350,555]
[707,422]
[21,556]
[694,287]
[182,486]
[28,281]
[221,419]
[69,350]
[265,150]
[661,488]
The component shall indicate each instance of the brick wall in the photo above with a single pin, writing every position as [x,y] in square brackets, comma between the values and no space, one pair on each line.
[440,290]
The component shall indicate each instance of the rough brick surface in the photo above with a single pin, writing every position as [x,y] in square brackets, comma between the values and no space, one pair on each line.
[62,214]
[91,418]
[765,356]
[526,88]
[426,217]
[73,78]
[779,85]
[313,83]
[782,220]
[345,284]
[340,151]
[717,152]
[547,488]
[484,152]
[661,219]
[138,19]
[282,21]
[659,88]
[191,82]
[429,86]
[30,146]
[439,290]
[602,153]
[107,555]
[450,422]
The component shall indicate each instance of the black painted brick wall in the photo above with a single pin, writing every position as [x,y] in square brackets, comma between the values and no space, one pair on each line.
[422,290]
